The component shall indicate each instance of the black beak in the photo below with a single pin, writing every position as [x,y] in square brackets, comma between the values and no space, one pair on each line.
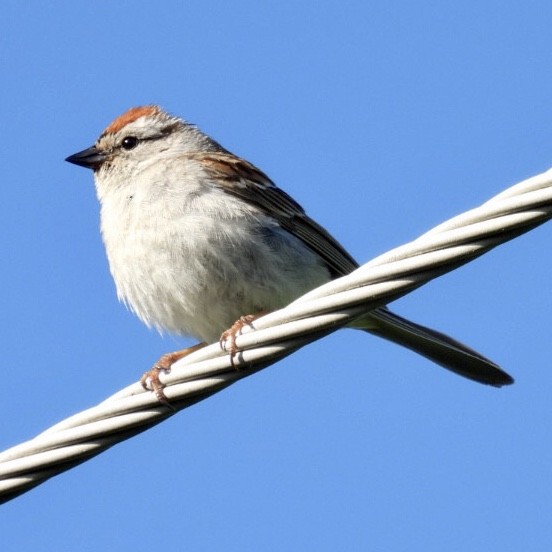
[90,158]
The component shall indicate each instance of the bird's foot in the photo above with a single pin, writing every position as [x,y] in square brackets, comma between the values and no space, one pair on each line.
[228,338]
[151,381]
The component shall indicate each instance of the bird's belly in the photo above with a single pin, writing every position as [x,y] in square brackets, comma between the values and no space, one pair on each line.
[198,277]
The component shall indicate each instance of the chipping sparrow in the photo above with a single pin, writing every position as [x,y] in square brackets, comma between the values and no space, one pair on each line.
[197,238]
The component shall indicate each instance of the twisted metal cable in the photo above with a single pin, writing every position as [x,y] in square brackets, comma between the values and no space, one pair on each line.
[320,312]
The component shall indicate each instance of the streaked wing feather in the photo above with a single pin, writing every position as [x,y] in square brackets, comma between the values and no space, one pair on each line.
[244,180]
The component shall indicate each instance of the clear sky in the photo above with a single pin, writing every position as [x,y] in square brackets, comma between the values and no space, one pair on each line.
[381,118]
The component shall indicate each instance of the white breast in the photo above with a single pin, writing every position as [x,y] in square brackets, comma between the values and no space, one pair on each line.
[192,259]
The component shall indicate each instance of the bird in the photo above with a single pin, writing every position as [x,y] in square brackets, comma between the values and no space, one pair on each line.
[200,242]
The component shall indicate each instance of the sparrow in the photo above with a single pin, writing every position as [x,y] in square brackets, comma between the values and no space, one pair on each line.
[200,242]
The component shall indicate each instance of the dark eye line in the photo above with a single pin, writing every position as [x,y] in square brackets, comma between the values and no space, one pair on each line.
[134,140]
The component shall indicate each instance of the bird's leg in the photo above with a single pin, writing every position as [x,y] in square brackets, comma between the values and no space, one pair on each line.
[150,380]
[229,335]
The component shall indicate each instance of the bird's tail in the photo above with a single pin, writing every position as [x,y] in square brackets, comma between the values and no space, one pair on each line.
[438,347]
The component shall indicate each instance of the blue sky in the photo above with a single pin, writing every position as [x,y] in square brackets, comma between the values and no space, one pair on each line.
[382,119]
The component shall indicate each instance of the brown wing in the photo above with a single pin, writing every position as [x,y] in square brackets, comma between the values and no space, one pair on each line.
[242,179]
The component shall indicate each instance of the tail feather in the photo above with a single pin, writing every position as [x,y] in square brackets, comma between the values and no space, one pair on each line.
[436,346]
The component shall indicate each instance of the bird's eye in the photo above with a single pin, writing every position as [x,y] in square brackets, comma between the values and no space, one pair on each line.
[129,142]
